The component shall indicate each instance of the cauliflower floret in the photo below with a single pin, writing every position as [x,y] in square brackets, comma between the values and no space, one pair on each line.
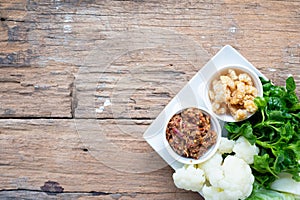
[189,178]
[218,179]
[244,150]
[209,165]
[212,168]
[236,182]
[214,193]
[226,145]
[237,172]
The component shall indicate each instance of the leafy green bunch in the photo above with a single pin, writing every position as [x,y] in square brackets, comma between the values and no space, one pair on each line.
[275,129]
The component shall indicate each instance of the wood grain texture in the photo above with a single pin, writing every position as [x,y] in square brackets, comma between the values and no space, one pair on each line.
[27,195]
[36,151]
[36,92]
[113,66]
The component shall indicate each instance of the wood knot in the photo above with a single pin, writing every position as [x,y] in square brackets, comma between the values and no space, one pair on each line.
[52,188]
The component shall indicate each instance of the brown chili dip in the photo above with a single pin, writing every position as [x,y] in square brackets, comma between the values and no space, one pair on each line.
[189,133]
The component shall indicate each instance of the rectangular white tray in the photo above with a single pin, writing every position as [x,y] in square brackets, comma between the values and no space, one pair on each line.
[190,96]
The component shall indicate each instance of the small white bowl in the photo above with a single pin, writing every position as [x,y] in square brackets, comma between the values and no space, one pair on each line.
[209,153]
[227,117]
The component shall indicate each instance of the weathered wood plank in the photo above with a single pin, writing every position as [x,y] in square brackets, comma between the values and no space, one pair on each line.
[66,59]
[29,195]
[137,85]
[36,151]
[36,92]
[14,27]
[131,90]
[68,31]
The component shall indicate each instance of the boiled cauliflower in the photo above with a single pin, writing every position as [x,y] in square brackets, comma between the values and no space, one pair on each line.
[226,145]
[234,183]
[212,169]
[244,150]
[221,179]
[189,178]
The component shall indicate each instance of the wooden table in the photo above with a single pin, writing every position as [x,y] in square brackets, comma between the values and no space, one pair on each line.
[81,80]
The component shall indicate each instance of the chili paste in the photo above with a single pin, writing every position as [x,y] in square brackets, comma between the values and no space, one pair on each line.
[189,133]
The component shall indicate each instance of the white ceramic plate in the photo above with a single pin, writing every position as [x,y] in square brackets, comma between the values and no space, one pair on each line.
[190,96]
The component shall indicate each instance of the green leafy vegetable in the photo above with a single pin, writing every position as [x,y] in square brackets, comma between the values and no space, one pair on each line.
[275,129]
[290,84]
